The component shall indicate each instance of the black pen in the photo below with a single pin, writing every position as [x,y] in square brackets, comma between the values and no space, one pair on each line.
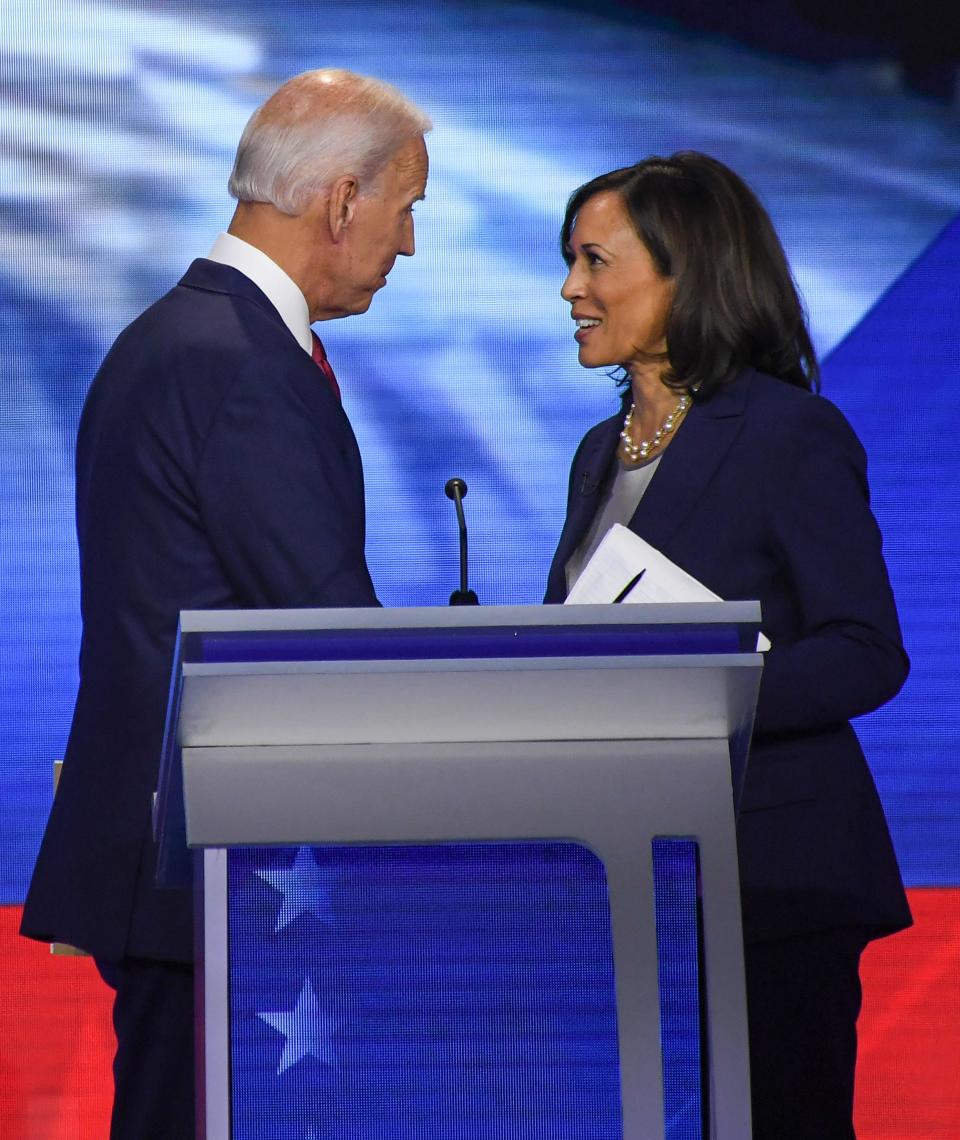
[629,586]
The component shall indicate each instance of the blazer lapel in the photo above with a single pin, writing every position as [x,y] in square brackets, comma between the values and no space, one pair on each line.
[590,467]
[589,477]
[689,463]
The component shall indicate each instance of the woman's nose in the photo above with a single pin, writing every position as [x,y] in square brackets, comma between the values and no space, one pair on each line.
[571,287]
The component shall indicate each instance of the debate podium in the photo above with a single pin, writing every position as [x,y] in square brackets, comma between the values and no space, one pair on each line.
[612,727]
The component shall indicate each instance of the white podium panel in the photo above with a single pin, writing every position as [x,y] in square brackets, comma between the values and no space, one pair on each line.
[605,726]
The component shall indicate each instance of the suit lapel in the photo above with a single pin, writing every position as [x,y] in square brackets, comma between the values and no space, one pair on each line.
[689,463]
[589,476]
[685,470]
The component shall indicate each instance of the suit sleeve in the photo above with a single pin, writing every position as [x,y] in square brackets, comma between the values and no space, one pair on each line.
[847,658]
[280,490]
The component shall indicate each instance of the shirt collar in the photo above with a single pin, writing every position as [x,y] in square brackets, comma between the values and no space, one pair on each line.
[279,288]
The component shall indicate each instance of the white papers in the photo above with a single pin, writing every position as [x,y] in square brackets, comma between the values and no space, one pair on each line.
[623,558]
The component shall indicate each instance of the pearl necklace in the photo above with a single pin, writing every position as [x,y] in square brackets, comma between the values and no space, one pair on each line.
[636,451]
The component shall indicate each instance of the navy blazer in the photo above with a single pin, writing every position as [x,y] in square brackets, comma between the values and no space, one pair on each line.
[215,470]
[763,495]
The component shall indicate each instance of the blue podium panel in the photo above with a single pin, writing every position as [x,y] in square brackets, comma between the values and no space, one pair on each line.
[451,642]
[456,991]
[677,901]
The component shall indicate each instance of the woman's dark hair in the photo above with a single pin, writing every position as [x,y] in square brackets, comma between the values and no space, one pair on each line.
[735,304]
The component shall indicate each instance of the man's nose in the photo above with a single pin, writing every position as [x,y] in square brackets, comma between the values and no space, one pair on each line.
[407,244]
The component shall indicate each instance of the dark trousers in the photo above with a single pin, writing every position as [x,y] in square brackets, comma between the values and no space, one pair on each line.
[153,1071]
[803,998]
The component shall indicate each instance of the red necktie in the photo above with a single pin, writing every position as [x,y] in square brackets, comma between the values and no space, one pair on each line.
[320,360]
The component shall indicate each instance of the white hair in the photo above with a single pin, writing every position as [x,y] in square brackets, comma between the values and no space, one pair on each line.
[317,126]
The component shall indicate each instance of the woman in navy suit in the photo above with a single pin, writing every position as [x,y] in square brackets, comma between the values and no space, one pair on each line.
[725,458]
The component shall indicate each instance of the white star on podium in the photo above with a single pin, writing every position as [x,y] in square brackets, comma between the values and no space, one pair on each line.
[308,1032]
[305,887]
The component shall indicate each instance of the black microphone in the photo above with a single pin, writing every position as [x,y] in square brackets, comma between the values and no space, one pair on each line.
[456,489]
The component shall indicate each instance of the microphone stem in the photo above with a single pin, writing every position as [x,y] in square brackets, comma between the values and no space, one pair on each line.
[462,525]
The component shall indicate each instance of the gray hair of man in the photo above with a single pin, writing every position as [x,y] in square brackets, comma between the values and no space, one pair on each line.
[318,126]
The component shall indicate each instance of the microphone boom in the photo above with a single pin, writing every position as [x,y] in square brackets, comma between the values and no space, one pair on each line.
[456,489]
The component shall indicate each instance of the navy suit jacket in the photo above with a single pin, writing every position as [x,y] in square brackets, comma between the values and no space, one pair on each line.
[763,495]
[215,470]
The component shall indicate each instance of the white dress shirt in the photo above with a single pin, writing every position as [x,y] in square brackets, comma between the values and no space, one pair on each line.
[281,290]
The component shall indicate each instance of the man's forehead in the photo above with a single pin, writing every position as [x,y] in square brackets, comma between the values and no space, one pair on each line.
[411,164]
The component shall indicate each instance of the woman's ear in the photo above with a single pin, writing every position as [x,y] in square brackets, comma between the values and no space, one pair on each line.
[341,205]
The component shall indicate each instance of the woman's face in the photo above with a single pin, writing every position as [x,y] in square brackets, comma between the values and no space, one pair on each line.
[618,299]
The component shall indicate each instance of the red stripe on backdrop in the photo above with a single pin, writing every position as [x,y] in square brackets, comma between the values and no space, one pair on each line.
[908,1078]
[56,1042]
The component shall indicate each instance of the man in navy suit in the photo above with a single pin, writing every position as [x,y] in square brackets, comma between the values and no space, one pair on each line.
[216,468]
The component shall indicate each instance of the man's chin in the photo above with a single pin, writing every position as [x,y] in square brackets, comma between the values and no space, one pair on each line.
[357,306]
[366,301]
[362,301]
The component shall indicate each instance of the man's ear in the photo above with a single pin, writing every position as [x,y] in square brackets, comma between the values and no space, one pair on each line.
[341,205]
